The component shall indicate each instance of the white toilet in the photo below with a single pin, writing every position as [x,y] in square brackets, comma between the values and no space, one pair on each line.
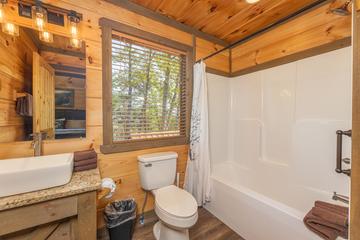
[176,208]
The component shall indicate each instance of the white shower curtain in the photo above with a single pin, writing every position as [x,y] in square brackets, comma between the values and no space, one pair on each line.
[197,177]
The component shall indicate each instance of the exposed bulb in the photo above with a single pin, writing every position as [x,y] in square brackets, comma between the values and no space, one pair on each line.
[11,29]
[2,10]
[75,43]
[46,37]
[252,1]
[73,29]
[39,22]
[40,17]
[73,24]
[2,14]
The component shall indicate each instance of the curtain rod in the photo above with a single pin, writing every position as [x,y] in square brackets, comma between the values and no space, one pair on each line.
[281,21]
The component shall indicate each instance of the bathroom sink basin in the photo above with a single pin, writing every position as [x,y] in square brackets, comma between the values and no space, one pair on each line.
[23,175]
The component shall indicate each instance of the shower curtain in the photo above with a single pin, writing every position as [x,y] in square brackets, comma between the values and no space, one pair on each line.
[197,177]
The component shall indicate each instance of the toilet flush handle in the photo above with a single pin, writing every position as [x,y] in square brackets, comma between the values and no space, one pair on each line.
[148,165]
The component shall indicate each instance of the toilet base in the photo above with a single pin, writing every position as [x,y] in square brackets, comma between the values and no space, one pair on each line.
[163,232]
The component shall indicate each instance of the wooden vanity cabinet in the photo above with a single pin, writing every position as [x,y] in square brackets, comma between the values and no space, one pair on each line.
[72,217]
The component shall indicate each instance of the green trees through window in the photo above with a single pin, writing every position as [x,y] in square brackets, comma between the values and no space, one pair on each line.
[146,91]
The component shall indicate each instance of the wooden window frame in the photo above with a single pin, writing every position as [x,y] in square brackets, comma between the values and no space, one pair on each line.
[109,146]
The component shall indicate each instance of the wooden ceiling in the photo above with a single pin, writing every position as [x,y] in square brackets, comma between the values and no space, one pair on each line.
[229,20]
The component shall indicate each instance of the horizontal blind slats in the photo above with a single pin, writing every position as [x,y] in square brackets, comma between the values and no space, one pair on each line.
[149,97]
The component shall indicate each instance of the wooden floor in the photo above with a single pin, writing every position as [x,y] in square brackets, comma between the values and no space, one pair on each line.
[207,227]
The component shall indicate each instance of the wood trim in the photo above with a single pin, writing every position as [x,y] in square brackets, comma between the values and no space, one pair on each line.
[133,7]
[44,48]
[355,156]
[230,61]
[107,84]
[72,75]
[109,146]
[140,145]
[146,43]
[190,60]
[217,72]
[64,68]
[123,28]
[345,42]
[194,46]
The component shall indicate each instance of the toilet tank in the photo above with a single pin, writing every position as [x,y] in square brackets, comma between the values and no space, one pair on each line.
[157,170]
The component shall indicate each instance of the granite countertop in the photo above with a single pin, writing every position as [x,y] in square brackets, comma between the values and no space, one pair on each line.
[80,182]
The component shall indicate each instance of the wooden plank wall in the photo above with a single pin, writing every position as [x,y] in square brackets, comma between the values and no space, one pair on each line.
[122,166]
[15,75]
[76,84]
[290,40]
[62,59]
[220,62]
[62,82]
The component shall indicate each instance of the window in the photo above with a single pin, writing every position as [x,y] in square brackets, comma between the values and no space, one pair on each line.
[146,91]
[147,102]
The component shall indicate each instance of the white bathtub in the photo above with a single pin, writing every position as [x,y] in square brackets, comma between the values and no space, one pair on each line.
[273,144]
[257,210]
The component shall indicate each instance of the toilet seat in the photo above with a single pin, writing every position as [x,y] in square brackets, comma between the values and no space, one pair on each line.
[176,207]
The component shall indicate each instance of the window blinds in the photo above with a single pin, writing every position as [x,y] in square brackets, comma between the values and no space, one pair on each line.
[148,91]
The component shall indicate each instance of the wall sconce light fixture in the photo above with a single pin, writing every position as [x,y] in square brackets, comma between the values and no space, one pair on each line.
[75,43]
[2,10]
[40,16]
[7,27]
[11,29]
[73,23]
[46,37]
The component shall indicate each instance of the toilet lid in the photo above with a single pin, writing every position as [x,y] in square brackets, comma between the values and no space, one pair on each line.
[176,201]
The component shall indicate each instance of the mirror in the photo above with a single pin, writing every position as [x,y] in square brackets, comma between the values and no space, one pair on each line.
[42,86]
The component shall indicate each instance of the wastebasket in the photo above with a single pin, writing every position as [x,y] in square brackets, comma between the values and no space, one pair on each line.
[120,217]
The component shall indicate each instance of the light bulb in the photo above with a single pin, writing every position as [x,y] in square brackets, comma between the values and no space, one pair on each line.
[39,22]
[40,17]
[73,29]
[75,43]
[46,37]
[2,14]
[2,10]
[11,29]
[73,22]
[252,1]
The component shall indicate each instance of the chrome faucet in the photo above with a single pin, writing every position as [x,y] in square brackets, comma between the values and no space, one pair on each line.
[37,142]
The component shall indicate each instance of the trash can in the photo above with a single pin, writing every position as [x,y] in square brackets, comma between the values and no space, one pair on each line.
[120,218]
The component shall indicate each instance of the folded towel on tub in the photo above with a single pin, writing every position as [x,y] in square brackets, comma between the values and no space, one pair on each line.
[328,220]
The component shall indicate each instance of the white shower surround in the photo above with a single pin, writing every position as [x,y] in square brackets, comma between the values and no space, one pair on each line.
[273,144]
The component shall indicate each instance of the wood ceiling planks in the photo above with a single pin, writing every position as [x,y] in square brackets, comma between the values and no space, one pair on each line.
[229,20]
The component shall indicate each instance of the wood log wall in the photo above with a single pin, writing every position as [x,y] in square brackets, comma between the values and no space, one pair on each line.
[123,166]
[15,76]
[310,34]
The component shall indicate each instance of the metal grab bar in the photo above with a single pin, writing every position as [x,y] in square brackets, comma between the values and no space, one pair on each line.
[341,198]
[339,158]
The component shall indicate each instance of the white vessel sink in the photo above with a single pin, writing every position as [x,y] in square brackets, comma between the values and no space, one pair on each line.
[22,175]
